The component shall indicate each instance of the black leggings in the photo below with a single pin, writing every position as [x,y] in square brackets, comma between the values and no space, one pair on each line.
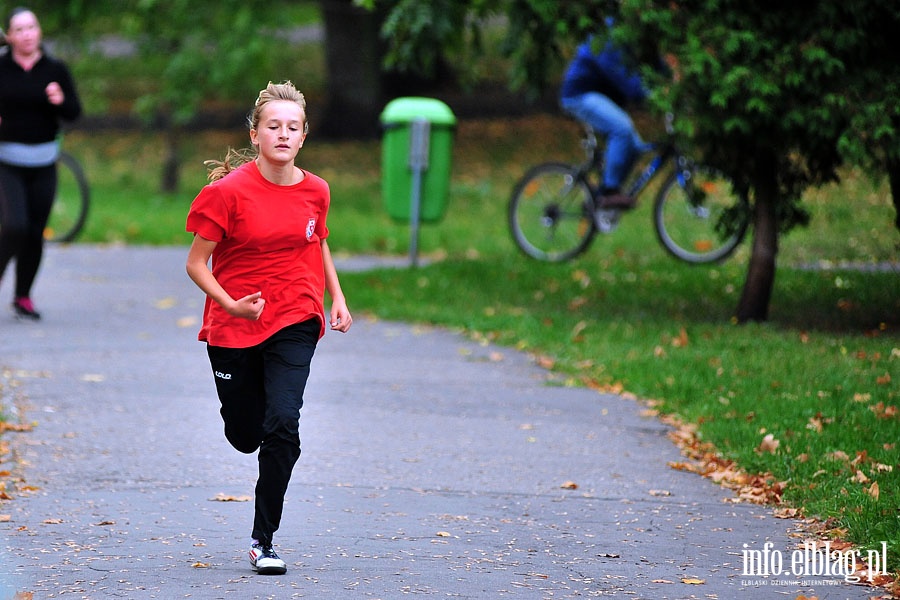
[261,393]
[26,197]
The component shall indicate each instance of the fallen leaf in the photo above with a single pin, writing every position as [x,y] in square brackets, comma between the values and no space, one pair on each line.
[545,362]
[838,455]
[165,303]
[682,340]
[577,302]
[692,580]
[884,412]
[569,485]
[578,329]
[5,518]
[443,534]
[873,490]
[52,521]
[220,497]
[7,426]
[185,322]
[200,565]
[662,581]
[660,493]
[769,444]
[815,424]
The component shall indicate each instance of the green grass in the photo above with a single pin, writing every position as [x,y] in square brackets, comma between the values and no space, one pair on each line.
[821,376]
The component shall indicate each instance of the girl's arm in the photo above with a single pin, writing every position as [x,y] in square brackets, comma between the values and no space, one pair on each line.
[340,314]
[248,307]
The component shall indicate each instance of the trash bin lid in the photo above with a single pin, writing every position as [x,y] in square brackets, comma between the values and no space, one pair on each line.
[408,109]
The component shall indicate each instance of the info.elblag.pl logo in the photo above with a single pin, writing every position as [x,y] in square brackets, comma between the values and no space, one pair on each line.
[815,560]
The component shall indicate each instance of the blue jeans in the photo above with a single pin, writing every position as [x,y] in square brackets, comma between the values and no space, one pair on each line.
[623,143]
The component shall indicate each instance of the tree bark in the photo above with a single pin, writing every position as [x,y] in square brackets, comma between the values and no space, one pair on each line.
[894,179]
[757,292]
[353,54]
[171,168]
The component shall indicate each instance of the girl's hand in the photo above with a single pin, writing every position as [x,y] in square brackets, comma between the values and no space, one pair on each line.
[249,307]
[340,317]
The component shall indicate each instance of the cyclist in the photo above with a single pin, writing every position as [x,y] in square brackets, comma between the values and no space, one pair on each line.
[596,88]
[36,92]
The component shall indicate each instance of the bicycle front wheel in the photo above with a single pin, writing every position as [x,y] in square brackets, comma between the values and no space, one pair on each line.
[70,207]
[700,217]
[551,213]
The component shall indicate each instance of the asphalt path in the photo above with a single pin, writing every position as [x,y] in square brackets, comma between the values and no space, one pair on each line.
[432,465]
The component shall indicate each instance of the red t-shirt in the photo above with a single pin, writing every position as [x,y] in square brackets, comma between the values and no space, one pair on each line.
[268,239]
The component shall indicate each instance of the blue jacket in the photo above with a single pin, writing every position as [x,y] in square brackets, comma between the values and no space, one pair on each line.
[604,72]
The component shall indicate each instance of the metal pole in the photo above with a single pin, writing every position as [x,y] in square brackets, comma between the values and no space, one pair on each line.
[418,162]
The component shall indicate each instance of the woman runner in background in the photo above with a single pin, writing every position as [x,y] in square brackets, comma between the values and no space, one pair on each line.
[36,92]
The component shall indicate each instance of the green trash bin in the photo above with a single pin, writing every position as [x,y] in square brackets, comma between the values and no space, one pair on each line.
[400,160]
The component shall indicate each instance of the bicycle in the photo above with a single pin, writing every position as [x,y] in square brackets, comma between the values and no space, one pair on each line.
[70,207]
[699,216]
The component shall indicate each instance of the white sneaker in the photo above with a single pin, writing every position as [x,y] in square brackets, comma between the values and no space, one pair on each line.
[265,562]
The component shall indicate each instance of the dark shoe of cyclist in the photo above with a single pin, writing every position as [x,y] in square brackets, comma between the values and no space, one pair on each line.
[616,199]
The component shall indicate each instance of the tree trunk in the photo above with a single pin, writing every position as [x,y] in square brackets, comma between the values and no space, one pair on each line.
[893,167]
[353,54]
[171,168]
[757,292]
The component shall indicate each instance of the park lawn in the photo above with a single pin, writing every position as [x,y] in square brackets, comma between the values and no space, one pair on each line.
[819,378]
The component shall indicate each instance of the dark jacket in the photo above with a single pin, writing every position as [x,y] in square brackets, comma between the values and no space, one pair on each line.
[26,116]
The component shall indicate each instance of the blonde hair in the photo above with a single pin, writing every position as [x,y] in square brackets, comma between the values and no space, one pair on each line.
[235,158]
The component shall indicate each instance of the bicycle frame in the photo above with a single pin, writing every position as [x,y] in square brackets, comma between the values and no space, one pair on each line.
[664,152]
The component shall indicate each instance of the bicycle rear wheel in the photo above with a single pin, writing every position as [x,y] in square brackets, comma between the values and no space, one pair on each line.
[551,213]
[700,217]
[70,207]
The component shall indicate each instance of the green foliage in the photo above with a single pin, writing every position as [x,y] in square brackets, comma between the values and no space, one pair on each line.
[799,82]
[420,33]
[190,52]
[537,34]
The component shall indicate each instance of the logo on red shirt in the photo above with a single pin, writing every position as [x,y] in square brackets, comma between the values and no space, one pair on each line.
[310,229]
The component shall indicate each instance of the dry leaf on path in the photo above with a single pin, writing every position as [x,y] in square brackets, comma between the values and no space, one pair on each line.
[164,303]
[220,497]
